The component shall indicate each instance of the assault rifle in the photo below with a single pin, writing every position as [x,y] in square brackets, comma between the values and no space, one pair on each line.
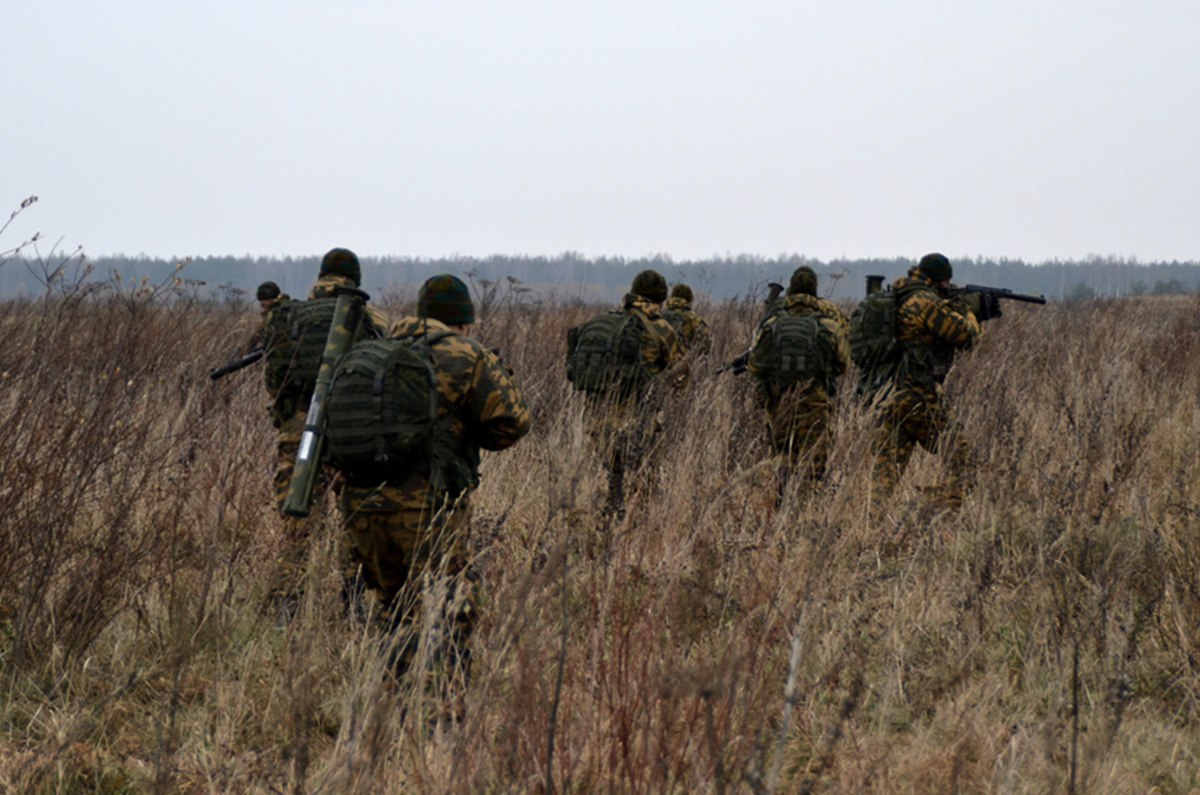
[347,315]
[989,299]
[237,364]
[742,363]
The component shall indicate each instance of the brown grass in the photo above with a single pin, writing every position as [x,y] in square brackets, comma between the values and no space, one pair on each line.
[1042,639]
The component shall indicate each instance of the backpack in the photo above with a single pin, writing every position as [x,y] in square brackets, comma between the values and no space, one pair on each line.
[873,340]
[676,319]
[295,341]
[381,412]
[793,349]
[604,351]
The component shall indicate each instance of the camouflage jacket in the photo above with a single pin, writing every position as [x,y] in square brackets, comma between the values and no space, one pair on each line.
[692,330]
[930,329]
[661,349]
[832,318]
[481,409]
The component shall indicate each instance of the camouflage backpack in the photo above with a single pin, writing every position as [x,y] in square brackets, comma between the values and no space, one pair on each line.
[604,351]
[382,407]
[792,349]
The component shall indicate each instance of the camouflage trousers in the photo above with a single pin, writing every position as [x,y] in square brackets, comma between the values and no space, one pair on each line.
[910,416]
[417,565]
[293,555]
[624,435]
[800,433]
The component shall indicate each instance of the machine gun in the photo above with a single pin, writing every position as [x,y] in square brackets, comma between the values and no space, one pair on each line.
[990,297]
[742,363]
[347,314]
[237,364]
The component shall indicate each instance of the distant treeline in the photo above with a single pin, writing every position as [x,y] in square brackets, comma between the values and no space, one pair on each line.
[571,276]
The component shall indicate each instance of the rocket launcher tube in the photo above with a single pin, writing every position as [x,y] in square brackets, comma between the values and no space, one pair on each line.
[347,314]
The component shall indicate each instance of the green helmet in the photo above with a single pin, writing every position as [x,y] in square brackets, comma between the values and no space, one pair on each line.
[804,280]
[651,285]
[341,262]
[444,297]
[936,268]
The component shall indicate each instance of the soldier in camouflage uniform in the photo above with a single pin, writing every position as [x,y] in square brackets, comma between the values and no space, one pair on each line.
[799,418]
[289,407]
[268,296]
[624,423]
[689,326]
[930,330]
[409,529]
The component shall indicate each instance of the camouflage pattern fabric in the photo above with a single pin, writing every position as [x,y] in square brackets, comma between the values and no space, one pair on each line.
[694,332]
[258,338]
[624,431]
[931,329]
[799,419]
[400,531]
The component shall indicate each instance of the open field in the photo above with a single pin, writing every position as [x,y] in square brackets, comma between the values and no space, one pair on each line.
[1042,639]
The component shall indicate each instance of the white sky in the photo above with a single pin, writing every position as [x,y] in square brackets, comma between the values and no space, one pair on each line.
[849,128]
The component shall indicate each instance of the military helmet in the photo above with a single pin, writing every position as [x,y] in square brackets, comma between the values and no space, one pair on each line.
[341,262]
[936,268]
[267,291]
[444,297]
[683,291]
[650,284]
[804,280]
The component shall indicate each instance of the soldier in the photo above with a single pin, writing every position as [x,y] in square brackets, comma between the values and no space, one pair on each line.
[689,326]
[413,523]
[621,417]
[795,365]
[289,407]
[930,329]
[268,296]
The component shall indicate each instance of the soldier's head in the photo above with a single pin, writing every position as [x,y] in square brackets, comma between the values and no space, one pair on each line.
[446,298]
[682,291]
[267,293]
[341,262]
[804,281]
[651,285]
[936,268]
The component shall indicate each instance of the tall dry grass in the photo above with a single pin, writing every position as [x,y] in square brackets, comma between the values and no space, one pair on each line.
[1042,639]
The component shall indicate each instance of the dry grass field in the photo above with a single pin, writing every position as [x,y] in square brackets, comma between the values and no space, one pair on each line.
[1042,639]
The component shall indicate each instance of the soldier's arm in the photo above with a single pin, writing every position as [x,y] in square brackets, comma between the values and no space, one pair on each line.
[703,344]
[841,347]
[496,405]
[946,325]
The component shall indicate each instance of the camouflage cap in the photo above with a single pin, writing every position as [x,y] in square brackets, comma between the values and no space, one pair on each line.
[682,291]
[804,280]
[650,284]
[267,291]
[444,297]
[341,262]
[936,268]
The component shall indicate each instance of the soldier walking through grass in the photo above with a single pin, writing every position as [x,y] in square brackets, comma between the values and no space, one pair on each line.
[411,459]
[798,353]
[691,329]
[623,361]
[930,330]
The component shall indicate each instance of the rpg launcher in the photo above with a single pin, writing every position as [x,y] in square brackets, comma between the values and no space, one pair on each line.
[742,363]
[347,315]
[237,364]
[990,297]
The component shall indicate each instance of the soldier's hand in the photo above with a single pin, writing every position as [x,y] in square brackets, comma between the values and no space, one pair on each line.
[971,302]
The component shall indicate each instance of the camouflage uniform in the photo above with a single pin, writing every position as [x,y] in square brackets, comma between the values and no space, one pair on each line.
[692,331]
[412,527]
[262,332]
[930,329]
[624,425]
[799,419]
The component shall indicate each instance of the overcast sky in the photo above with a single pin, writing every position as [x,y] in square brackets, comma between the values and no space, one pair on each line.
[852,128]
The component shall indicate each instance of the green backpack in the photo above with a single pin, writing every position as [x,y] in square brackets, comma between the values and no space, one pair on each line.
[381,413]
[873,340]
[606,351]
[675,318]
[295,342]
[795,348]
